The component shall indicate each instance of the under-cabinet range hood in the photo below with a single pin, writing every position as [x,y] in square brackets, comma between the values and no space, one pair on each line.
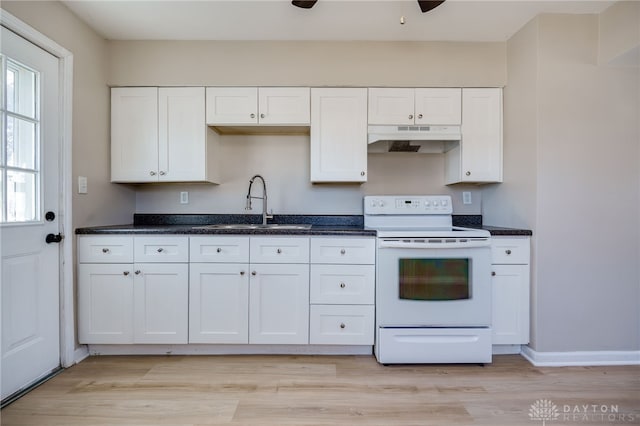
[416,139]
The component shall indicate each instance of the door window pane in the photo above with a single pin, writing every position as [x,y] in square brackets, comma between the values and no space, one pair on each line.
[21,197]
[21,143]
[19,157]
[434,279]
[21,89]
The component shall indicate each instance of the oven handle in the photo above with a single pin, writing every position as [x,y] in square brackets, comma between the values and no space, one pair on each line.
[470,243]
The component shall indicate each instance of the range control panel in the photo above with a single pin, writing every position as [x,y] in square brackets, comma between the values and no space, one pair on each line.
[409,204]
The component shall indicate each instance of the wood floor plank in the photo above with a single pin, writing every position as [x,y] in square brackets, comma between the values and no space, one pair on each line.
[316,390]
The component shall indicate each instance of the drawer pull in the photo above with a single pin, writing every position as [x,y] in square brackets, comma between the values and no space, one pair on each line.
[137,272]
[342,285]
[242,273]
[160,250]
[342,325]
[218,250]
[493,273]
[254,273]
[279,251]
[125,273]
[343,251]
[508,251]
[105,250]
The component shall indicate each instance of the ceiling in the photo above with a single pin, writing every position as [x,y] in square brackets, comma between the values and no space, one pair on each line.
[337,20]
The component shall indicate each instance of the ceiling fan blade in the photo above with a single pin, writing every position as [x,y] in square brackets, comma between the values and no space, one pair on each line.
[305,4]
[426,6]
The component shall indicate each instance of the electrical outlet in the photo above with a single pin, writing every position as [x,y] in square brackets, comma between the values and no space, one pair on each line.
[82,185]
[466,197]
[184,197]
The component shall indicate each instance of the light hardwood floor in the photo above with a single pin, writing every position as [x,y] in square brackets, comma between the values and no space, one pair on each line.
[322,390]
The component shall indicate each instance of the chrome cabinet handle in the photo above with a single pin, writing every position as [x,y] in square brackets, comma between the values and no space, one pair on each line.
[253,115]
[105,250]
[343,251]
[160,250]
[152,173]
[254,273]
[420,116]
[162,173]
[342,325]
[508,251]
[279,251]
[468,173]
[137,272]
[362,173]
[342,285]
[218,250]
[410,116]
[493,273]
[125,273]
[262,115]
[242,273]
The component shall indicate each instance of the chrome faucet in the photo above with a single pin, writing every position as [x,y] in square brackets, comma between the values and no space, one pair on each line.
[265,216]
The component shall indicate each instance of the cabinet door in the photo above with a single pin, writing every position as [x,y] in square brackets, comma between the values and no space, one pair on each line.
[181,134]
[279,304]
[342,284]
[510,288]
[161,303]
[232,105]
[218,303]
[134,134]
[391,106]
[341,325]
[105,303]
[338,135]
[285,106]
[481,135]
[439,106]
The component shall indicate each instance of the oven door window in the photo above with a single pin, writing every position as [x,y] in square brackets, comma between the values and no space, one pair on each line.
[434,279]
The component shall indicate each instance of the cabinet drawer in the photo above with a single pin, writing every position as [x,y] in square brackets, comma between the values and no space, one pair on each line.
[343,250]
[341,325]
[161,249]
[219,249]
[105,249]
[510,250]
[279,250]
[343,284]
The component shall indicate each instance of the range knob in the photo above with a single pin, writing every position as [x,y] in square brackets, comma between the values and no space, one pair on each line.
[381,203]
[444,202]
[427,203]
[374,203]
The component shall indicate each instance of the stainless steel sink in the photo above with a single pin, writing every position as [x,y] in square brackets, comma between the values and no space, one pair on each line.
[254,226]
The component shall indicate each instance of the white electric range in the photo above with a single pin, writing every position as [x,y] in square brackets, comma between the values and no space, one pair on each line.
[433,282]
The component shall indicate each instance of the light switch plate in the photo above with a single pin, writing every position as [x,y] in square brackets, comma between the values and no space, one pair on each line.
[82,185]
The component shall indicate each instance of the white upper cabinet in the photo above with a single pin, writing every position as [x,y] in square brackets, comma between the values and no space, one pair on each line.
[402,106]
[478,157]
[159,135]
[278,106]
[338,135]
[134,134]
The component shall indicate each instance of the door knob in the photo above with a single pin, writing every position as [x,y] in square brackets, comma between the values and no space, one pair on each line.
[53,238]
[49,216]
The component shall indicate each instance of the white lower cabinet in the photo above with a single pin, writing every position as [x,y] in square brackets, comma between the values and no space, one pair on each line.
[342,291]
[279,304]
[218,307]
[135,302]
[510,289]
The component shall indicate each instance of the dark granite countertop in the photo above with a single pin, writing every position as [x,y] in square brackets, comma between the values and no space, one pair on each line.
[337,225]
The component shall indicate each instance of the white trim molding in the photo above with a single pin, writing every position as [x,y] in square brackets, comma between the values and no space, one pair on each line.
[65,57]
[580,358]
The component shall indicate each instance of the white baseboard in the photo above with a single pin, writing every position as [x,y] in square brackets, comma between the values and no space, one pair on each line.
[230,350]
[580,358]
[506,349]
[80,354]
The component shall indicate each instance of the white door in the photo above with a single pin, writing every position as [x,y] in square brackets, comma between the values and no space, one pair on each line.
[29,182]
[394,106]
[232,105]
[439,106]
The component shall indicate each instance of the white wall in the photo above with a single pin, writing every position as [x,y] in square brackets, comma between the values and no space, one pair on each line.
[284,161]
[580,182]
[105,203]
